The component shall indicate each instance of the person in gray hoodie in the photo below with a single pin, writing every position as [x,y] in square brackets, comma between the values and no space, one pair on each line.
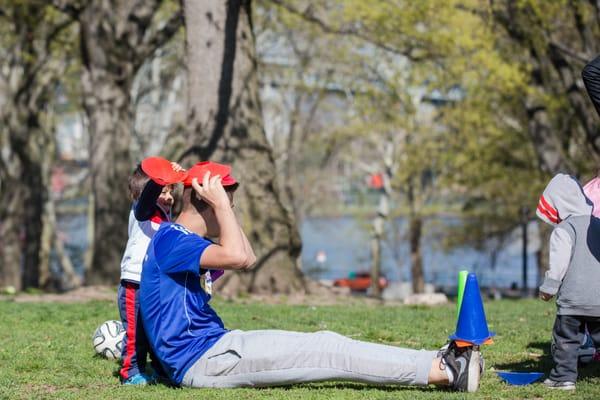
[573,275]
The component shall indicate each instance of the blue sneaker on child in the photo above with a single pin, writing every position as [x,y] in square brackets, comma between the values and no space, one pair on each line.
[140,380]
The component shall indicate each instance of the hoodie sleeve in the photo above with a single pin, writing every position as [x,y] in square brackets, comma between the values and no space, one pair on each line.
[591,79]
[561,246]
[146,204]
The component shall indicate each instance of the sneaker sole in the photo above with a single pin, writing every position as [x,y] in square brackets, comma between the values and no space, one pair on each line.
[567,388]
[474,372]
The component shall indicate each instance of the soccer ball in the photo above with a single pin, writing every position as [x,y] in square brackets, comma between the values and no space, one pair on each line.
[108,339]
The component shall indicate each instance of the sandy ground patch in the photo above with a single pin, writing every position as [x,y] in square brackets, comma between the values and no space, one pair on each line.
[328,296]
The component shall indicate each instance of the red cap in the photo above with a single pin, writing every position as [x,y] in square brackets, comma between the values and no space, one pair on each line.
[200,169]
[160,171]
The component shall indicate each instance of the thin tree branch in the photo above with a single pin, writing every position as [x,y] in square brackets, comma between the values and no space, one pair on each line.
[584,58]
[308,16]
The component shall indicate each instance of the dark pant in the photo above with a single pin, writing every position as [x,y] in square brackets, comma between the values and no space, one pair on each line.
[135,342]
[568,334]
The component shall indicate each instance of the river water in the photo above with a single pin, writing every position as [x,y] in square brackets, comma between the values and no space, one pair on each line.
[345,243]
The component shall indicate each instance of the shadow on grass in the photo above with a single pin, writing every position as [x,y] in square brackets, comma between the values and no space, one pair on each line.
[360,387]
[544,363]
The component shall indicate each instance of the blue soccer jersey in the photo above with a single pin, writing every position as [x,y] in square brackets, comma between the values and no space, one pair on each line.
[180,324]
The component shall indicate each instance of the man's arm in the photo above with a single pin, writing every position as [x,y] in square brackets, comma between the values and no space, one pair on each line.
[217,273]
[591,79]
[230,252]
[561,247]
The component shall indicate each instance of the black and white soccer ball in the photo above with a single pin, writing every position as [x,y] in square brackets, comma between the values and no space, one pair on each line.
[108,339]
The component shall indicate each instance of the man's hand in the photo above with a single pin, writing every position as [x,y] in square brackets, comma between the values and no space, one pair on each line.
[176,167]
[212,191]
[545,296]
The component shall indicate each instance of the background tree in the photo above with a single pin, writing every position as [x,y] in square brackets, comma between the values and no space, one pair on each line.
[115,40]
[225,123]
[519,112]
[31,38]
[554,40]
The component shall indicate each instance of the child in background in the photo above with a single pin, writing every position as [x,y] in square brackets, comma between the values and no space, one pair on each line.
[150,188]
[573,275]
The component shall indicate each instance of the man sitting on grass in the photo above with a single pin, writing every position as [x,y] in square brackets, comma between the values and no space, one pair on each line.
[196,350]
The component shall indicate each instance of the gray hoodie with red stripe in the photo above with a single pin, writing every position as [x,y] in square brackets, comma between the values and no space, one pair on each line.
[574,270]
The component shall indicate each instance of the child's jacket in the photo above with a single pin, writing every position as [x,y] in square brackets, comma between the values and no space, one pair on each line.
[140,234]
[574,273]
[145,218]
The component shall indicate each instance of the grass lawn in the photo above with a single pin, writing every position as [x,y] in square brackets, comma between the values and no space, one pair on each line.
[46,351]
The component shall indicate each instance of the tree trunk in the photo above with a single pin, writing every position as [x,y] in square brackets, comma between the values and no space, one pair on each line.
[225,124]
[115,39]
[12,197]
[110,121]
[28,175]
[29,75]
[378,225]
[416,258]
[48,230]
[36,179]
[376,261]
[10,234]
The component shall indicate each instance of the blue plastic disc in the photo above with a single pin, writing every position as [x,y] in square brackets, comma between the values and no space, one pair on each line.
[519,378]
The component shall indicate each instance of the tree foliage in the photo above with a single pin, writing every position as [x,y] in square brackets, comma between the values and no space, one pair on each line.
[504,76]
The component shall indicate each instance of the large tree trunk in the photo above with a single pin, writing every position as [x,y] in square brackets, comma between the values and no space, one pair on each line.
[10,233]
[24,195]
[116,38]
[12,196]
[225,124]
[30,72]
[110,121]
[36,165]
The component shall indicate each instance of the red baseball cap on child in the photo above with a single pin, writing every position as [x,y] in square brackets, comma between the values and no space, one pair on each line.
[200,169]
[160,171]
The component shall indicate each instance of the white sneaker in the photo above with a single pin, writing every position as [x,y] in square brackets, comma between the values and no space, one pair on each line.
[568,385]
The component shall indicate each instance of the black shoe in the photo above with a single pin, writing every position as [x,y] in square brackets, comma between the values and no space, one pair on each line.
[465,363]
[444,349]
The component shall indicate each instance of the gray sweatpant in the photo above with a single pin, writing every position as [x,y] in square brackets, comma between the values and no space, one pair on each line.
[273,357]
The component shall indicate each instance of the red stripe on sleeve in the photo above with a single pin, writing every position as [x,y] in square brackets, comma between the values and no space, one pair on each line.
[547,214]
[548,207]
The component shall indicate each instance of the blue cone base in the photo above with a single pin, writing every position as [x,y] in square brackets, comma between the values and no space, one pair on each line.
[519,378]
[477,341]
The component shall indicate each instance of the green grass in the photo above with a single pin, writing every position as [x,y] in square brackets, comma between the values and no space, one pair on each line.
[46,352]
